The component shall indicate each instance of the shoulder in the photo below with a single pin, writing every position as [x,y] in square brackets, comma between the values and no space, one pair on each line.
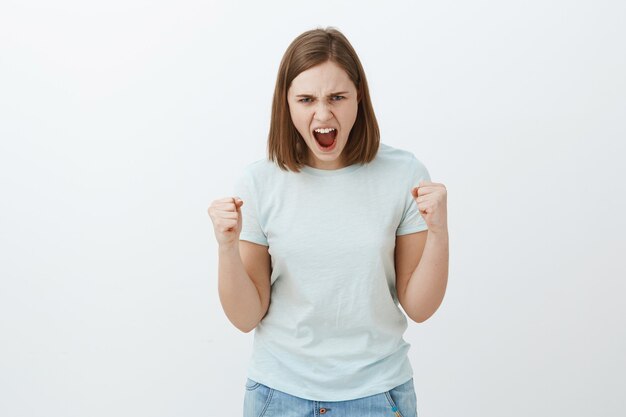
[397,158]
[259,174]
[261,168]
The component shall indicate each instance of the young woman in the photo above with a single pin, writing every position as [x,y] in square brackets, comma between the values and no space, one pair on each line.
[324,240]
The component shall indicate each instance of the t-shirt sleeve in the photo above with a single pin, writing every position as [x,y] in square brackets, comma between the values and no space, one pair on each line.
[251,229]
[412,221]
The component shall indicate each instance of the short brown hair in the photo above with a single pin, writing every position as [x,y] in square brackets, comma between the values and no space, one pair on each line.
[285,145]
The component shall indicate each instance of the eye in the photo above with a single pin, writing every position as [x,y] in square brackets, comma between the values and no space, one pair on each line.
[339,97]
[306,98]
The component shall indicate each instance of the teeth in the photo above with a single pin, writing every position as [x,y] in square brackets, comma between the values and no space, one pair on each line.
[330,129]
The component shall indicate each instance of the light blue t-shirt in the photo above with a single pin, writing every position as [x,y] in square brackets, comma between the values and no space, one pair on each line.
[334,328]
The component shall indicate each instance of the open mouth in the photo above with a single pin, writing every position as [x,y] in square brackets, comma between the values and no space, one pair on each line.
[326,138]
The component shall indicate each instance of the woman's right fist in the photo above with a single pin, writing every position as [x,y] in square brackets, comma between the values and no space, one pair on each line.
[225,214]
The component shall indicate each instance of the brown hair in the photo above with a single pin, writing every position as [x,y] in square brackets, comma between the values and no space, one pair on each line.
[285,145]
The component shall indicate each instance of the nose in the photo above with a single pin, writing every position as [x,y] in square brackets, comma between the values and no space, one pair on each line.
[322,112]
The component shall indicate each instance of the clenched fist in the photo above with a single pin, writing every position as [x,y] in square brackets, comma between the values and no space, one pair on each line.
[225,214]
[432,201]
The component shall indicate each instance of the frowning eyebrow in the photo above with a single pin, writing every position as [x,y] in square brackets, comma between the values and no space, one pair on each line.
[330,95]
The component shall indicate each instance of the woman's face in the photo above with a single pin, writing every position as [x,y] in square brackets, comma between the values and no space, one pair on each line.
[323,97]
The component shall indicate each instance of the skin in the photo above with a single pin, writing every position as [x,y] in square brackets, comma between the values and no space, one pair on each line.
[314,101]
[421,259]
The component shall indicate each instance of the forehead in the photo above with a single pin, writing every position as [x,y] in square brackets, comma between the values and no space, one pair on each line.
[323,78]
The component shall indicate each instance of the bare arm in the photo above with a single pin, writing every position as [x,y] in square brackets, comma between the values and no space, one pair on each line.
[422,272]
[244,270]
[422,258]
[244,283]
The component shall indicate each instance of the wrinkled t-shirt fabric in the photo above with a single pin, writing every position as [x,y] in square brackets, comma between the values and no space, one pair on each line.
[334,329]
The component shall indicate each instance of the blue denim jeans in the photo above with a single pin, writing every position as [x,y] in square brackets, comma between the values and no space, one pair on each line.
[263,401]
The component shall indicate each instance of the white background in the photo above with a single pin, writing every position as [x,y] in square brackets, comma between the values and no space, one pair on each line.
[121,121]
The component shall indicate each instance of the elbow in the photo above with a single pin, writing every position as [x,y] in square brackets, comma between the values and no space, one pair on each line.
[246,328]
[417,318]
[414,313]
[420,316]
[242,326]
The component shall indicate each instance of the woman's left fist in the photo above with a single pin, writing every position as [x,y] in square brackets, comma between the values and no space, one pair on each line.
[432,201]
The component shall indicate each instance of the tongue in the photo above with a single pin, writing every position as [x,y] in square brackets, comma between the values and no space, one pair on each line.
[326,139]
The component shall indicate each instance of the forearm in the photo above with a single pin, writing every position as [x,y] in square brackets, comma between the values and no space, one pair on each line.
[427,285]
[239,296]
